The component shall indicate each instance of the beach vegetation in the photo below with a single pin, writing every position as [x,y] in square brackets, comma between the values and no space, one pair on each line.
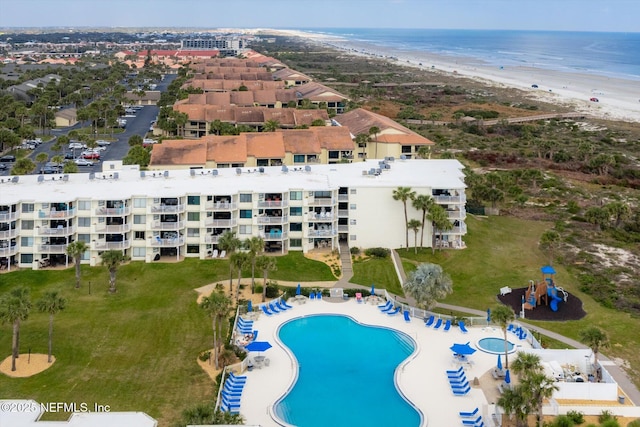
[428,284]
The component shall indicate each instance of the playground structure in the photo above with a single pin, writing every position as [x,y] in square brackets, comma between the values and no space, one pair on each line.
[545,290]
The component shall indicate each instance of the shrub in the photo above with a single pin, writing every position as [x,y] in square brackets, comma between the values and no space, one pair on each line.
[204,356]
[377,252]
[272,290]
[576,416]
[355,250]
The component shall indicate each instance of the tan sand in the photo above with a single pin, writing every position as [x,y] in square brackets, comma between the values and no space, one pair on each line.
[26,365]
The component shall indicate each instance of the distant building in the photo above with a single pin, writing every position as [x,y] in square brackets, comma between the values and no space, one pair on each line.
[226,45]
[65,118]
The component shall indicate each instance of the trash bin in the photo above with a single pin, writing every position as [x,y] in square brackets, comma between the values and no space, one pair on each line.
[621,400]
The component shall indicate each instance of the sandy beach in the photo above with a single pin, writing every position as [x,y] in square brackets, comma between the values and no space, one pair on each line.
[618,99]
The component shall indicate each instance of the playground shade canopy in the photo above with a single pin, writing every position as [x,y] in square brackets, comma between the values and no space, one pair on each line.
[547,269]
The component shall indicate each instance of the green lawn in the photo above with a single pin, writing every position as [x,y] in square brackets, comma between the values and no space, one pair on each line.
[377,271]
[295,267]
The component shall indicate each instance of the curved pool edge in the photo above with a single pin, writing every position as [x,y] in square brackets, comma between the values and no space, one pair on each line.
[514,348]
[294,362]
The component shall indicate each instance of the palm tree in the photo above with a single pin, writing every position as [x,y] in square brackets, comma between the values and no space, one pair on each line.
[440,222]
[255,246]
[596,339]
[403,194]
[52,302]
[42,158]
[373,132]
[526,363]
[271,125]
[539,387]
[112,260]
[228,242]
[515,402]
[427,284]
[15,308]
[414,225]
[217,306]
[266,264]
[502,315]
[239,260]
[75,251]
[423,203]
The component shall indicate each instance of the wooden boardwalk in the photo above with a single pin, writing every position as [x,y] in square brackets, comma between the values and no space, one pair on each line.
[577,116]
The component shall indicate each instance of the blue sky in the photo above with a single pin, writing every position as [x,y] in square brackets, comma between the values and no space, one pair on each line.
[563,15]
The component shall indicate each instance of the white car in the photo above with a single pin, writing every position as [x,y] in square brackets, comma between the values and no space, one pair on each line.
[83,162]
[102,142]
[76,145]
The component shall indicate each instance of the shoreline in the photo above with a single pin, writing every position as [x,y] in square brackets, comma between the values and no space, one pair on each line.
[618,99]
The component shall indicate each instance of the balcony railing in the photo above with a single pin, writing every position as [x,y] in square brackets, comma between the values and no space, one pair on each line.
[220,223]
[273,203]
[327,216]
[167,243]
[57,214]
[462,229]
[103,228]
[450,199]
[343,213]
[8,234]
[322,201]
[159,225]
[459,214]
[102,211]
[220,206]
[52,249]
[343,197]
[321,233]
[11,250]
[101,244]
[273,219]
[58,231]
[212,239]
[167,208]
[8,216]
[272,235]
[343,228]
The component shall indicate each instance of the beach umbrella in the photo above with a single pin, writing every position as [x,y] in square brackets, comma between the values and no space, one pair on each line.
[463,349]
[298,289]
[373,289]
[507,377]
[500,362]
[249,307]
[488,315]
[258,346]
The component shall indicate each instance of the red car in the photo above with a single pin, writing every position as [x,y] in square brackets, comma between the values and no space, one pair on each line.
[594,100]
[93,156]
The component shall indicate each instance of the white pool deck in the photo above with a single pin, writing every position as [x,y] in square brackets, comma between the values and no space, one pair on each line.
[422,378]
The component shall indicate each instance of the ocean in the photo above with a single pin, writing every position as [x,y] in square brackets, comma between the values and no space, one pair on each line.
[606,54]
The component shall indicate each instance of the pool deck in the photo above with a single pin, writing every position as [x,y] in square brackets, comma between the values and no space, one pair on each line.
[422,379]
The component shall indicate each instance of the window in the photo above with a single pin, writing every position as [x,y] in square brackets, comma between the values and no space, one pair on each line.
[295,226]
[298,158]
[245,198]
[84,221]
[27,207]
[295,195]
[193,200]
[26,258]
[193,232]
[352,206]
[139,203]
[138,235]
[193,249]
[193,216]
[139,252]
[295,211]
[352,237]
[334,154]
[406,149]
[26,242]
[245,213]
[26,224]
[244,229]
[84,205]
[295,243]
[86,238]
[353,191]
[352,222]
[139,219]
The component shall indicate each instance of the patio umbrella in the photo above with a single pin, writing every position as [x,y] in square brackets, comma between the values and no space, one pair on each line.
[249,307]
[488,315]
[258,346]
[298,289]
[464,349]
[499,362]
[507,377]
[373,289]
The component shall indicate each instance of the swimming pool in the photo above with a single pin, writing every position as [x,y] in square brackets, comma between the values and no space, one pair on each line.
[345,374]
[495,345]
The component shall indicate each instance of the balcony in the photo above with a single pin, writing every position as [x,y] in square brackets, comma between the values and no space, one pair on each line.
[103,211]
[103,228]
[58,231]
[159,225]
[104,245]
[220,206]
[343,213]
[274,235]
[12,250]
[343,197]
[52,249]
[273,219]
[322,201]
[462,229]
[56,214]
[9,234]
[343,228]
[167,208]
[458,214]
[8,216]
[323,216]
[220,223]
[325,232]
[273,203]
[212,239]
[167,243]
[449,199]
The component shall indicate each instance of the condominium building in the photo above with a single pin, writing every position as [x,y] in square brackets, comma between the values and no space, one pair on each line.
[182,213]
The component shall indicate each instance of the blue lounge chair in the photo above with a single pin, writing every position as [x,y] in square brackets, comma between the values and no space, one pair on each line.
[460,370]
[459,386]
[312,295]
[462,327]
[447,325]
[386,305]
[407,317]
[319,295]
[233,388]
[430,321]
[470,414]
[255,335]
[236,380]
[238,377]
[245,321]
[273,308]
[280,306]
[231,404]
[461,392]
[231,383]
[387,310]
[285,305]
[231,396]
[394,312]
[230,409]
[511,327]
[472,422]
[265,310]
[244,330]
[438,324]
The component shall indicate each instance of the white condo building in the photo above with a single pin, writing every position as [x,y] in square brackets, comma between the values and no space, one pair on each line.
[182,213]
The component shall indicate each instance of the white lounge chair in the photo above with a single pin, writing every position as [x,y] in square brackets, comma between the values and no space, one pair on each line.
[223,254]
[214,254]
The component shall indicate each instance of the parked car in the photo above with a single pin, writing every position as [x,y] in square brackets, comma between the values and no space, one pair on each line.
[28,146]
[91,155]
[102,142]
[83,162]
[68,156]
[3,167]
[8,159]
[77,145]
[594,100]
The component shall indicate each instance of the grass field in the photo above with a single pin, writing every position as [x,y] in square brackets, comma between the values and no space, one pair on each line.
[377,271]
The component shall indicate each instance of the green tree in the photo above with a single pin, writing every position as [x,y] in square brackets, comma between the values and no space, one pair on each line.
[239,260]
[427,284]
[373,136]
[440,222]
[255,246]
[51,303]
[597,216]
[14,309]
[414,225]
[75,250]
[203,414]
[503,315]
[135,140]
[620,212]
[361,140]
[271,126]
[42,158]
[112,260]
[404,194]
[23,166]
[515,403]
[266,264]
[549,242]
[422,202]
[137,155]
[228,242]
[596,339]
[217,305]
